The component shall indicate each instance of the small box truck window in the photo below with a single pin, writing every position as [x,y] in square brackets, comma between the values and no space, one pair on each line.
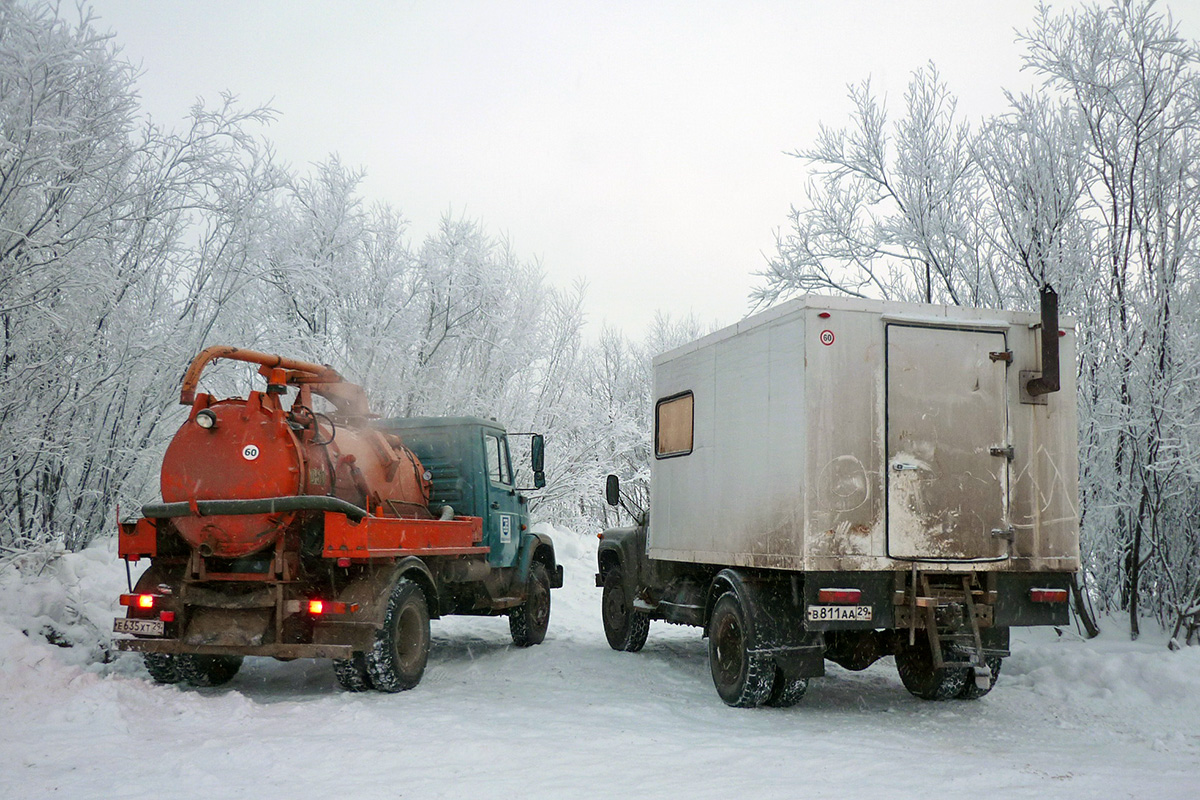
[673,426]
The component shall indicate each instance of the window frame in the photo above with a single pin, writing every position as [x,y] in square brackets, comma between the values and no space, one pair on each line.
[503,458]
[692,431]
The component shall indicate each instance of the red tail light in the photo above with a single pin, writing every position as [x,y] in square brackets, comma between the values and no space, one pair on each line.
[1048,595]
[137,600]
[840,596]
[166,616]
[319,607]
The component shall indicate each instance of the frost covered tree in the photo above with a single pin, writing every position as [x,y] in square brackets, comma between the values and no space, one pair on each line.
[117,241]
[1089,183]
[1132,81]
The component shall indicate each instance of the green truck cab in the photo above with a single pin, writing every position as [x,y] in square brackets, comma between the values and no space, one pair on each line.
[470,465]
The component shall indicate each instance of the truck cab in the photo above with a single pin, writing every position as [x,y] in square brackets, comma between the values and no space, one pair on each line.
[470,465]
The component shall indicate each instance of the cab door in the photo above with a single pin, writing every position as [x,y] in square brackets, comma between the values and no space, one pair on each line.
[504,513]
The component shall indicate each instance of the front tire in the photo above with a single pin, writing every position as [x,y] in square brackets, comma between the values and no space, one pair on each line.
[914,662]
[207,671]
[529,621]
[401,649]
[625,627]
[743,678]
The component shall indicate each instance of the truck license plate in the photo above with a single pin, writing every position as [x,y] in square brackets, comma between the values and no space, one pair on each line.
[140,627]
[839,614]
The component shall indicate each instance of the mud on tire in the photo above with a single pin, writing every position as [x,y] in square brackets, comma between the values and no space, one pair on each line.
[351,673]
[529,621]
[625,627]
[162,667]
[914,662]
[743,678]
[206,671]
[401,649]
[971,691]
[786,693]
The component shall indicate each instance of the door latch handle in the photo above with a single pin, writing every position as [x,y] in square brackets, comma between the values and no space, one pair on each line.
[495,504]
[1006,451]
[902,467]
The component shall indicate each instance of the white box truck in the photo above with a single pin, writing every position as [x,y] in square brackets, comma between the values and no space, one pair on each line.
[846,479]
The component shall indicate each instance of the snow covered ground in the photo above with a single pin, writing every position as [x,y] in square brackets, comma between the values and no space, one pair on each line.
[571,718]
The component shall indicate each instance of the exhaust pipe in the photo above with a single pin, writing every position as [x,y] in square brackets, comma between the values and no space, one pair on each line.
[1048,382]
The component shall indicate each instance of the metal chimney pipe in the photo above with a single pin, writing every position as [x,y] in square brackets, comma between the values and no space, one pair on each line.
[1049,381]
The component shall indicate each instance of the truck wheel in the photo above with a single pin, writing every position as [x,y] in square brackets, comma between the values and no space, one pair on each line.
[162,667]
[786,693]
[915,664]
[352,674]
[743,678]
[397,659]
[529,621]
[625,626]
[205,671]
[971,690]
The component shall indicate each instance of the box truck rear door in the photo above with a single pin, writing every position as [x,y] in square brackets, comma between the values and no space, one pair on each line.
[947,431]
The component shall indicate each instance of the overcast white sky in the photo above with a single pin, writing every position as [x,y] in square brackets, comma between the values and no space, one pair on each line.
[636,145]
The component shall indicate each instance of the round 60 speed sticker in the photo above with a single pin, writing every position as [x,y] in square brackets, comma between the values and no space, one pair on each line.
[250,452]
[827,337]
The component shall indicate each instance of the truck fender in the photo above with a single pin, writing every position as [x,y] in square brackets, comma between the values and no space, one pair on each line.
[539,547]
[372,590]
[619,547]
[778,621]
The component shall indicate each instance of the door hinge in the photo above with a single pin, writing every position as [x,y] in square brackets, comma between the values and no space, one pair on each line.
[1006,451]
[1004,533]
[1003,355]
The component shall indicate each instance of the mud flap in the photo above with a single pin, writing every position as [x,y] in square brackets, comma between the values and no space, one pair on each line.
[778,623]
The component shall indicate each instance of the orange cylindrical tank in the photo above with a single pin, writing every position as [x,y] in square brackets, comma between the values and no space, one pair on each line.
[251,448]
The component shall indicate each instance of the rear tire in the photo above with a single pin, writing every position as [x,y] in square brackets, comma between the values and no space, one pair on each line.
[743,678]
[397,659]
[162,667]
[786,693]
[915,664]
[625,627]
[207,671]
[529,621]
[352,674]
[971,691]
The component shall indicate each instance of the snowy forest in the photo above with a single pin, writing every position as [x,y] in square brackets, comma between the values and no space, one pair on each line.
[126,247]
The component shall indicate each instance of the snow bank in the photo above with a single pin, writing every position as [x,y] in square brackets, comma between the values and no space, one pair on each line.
[569,718]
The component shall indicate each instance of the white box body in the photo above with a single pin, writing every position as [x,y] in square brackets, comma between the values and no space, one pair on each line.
[838,434]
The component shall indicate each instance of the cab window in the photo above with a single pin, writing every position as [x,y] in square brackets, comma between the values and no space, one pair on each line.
[497,459]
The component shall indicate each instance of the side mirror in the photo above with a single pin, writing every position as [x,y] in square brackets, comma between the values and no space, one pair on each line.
[612,490]
[539,480]
[537,455]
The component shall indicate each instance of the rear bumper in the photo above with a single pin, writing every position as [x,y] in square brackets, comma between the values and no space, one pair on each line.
[1002,599]
[269,650]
